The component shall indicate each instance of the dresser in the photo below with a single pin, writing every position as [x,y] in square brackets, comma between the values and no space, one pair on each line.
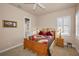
[59,42]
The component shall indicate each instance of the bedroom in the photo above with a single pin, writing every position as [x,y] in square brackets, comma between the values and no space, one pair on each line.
[39,18]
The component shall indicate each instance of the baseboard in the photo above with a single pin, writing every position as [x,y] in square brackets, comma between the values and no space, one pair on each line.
[11,47]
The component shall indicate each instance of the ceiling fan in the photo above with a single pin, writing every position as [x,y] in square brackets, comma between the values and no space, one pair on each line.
[38,5]
[35,5]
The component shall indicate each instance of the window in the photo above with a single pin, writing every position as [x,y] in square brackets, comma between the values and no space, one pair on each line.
[77,24]
[65,24]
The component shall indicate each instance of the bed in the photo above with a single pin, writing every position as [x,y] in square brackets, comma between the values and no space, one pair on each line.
[40,44]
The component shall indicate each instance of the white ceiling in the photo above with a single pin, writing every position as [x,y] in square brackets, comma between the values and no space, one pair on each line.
[49,7]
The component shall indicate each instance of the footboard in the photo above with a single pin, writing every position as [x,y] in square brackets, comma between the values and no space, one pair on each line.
[39,48]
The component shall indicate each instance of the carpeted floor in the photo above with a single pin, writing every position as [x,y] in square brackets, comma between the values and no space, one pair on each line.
[19,51]
[64,51]
[57,51]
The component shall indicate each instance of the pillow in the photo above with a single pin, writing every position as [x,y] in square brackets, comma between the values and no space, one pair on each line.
[52,32]
[33,37]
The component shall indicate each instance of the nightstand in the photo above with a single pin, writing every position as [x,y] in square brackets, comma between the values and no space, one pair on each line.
[60,42]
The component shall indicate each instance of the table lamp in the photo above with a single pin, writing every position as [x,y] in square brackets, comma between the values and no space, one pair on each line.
[59,30]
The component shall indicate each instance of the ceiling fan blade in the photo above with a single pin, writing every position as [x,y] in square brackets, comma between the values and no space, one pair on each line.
[34,7]
[40,5]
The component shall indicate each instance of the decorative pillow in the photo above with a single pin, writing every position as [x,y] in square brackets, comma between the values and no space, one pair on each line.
[33,37]
[53,33]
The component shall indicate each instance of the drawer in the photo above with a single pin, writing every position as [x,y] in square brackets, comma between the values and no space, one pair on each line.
[60,42]
[61,45]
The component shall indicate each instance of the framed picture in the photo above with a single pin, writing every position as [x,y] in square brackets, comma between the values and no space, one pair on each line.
[7,23]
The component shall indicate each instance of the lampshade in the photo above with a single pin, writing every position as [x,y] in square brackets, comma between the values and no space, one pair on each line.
[58,32]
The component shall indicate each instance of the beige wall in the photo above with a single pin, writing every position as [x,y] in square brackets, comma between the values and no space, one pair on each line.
[12,36]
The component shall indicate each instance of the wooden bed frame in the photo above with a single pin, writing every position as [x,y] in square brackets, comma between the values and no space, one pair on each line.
[39,48]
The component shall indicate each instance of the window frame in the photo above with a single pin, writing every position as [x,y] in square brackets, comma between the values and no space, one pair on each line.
[77,15]
[62,26]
